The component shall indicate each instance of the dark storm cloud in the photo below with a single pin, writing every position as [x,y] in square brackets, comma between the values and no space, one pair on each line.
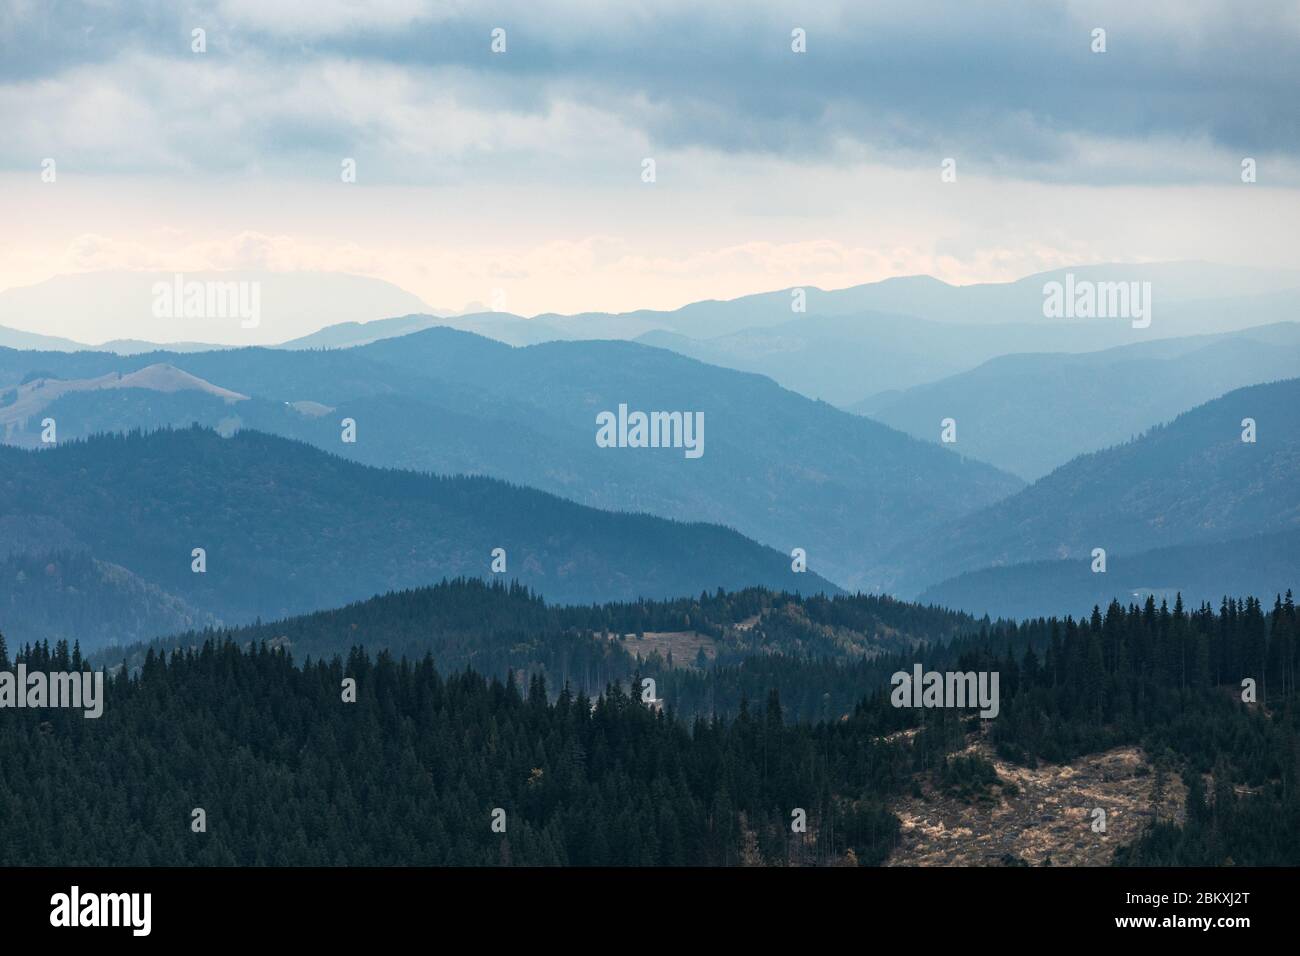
[1007,87]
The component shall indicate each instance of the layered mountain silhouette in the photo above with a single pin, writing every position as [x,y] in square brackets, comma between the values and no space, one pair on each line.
[1267,564]
[72,596]
[846,359]
[76,308]
[779,468]
[496,628]
[287,528]
[873,499]
[746,333]
[849,345]
[1193,481]
[1030,414]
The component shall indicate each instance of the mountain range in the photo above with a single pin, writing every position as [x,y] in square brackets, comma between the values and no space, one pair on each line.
[1202,572]
[72,309]
[778,333]
[286,528]
[784,470]
[1031,413]
[1070,436]
[1193,481]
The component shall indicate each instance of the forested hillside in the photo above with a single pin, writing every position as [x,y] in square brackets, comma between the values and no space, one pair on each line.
[71,596]
[411,773]
[779,468]
[745,642]
[286,528]
[289,771]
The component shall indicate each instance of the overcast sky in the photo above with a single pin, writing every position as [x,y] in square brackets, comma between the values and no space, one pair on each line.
[522,171]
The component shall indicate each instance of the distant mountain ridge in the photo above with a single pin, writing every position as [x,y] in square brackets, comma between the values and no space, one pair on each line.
[288,529]
[1267,564]
[777,467]
[872,507]
[79,307]
[496,627]
[51,595]
[1193,481]
[849,344]
[1204,297]
[1031,413]
[22,404]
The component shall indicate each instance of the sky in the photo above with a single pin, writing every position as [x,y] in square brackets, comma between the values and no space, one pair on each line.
[517,177]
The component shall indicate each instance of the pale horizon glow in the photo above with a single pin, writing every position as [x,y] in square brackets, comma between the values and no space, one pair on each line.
[596,262]
[516,178]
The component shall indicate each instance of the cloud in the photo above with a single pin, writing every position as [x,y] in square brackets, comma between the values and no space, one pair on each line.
[521,171]
[321,18]
[1005,87]
[147,114]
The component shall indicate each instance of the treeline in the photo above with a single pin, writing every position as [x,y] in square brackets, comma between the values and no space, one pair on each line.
[495,627]
[288,773]
[1211,695]
[1173,682]
[412,771]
